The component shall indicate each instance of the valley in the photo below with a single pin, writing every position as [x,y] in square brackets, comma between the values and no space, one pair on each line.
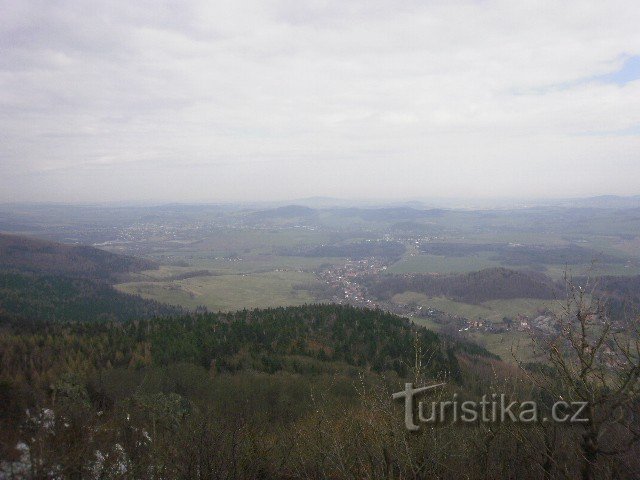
[197,338]
[229,257]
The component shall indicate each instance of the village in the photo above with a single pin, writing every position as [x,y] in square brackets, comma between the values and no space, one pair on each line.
[346,282]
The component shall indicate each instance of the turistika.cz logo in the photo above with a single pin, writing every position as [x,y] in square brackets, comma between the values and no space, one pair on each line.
[490,409]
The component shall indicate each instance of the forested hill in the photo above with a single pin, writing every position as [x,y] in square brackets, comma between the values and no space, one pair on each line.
[295,339]
[144,394]
[475,287]
[30,297]
[621,294]
[46,281]
[20,254]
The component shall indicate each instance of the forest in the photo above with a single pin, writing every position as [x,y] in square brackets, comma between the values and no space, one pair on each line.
[474,287]
[99,384]
[48,281]
[297,392]
[25,254]
[531,256]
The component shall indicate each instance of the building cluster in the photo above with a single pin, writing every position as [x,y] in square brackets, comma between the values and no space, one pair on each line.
[343,279]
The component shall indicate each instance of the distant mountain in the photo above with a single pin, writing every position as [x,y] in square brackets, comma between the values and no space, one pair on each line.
[287,212]
[604,201]
[323,202]
[388,214]
[369,214]
[601,201]
[28,255]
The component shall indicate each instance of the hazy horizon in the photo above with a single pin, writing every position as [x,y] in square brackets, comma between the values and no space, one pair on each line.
[320,202]
[271,101]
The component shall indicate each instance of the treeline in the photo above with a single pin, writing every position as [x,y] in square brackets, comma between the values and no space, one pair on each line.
[474,287]
[621,294]
[621,287]
[533,256]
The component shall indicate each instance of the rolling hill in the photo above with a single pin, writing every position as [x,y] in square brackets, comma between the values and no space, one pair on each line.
[28,255]
[474,287]
[47,281]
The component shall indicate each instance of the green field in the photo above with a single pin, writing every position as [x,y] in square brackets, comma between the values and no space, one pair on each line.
[421,263]
[250,263]
[595,270]
[242,269]
[501,344]
[494,310]
[505,345]
[228,292]
[244,241]
[511,346]
[424,263]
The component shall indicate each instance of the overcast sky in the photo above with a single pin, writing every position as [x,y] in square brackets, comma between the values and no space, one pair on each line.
[248,100]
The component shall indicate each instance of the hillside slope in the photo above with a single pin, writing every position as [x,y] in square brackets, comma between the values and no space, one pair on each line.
[475,287]
[28,255]
[267,340]
[46,281]
[26,297]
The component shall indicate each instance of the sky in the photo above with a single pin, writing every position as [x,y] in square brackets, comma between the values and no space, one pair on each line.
[122,100]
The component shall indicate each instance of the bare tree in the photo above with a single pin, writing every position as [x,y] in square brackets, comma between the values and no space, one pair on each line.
[596,369]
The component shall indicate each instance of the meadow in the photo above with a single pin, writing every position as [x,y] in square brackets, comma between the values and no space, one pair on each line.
[493,310]
[229,292]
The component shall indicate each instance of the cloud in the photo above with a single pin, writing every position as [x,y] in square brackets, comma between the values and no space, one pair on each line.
[261,100]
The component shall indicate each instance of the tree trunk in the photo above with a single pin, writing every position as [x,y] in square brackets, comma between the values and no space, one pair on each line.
[590,454]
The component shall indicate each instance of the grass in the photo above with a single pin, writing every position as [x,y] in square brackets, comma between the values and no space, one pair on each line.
[557,271]
[164,272]
[255,263]
[494,310]
[526,238]
[241,241]
[505,345]
[420,263]
[229,292]
[500,344]
[252,262]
